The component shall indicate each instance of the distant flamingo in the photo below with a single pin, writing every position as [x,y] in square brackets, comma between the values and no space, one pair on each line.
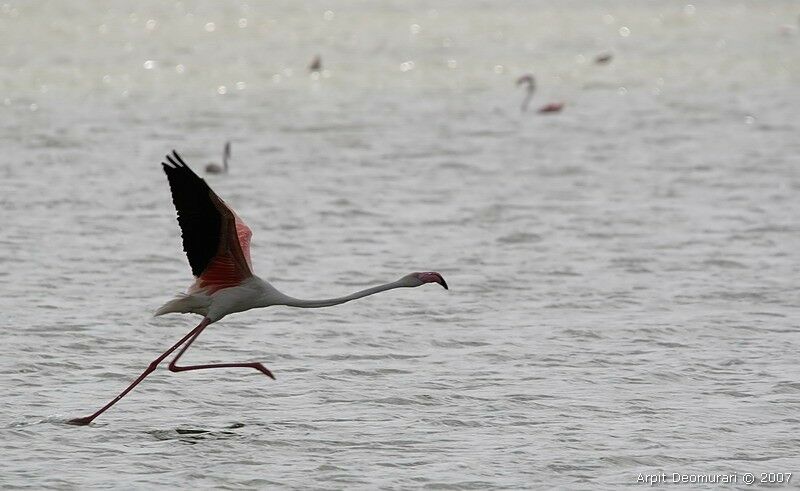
[530,87]
[552,107]
[603,58]
[217,244]
[316,64]
[221,169]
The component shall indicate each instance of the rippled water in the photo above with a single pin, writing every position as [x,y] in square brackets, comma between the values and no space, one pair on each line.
[623,275]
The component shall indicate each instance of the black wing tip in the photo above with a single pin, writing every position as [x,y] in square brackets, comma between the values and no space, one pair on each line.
[175,161]
[178,157]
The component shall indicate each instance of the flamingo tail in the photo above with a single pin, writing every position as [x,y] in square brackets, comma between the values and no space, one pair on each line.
[186,304]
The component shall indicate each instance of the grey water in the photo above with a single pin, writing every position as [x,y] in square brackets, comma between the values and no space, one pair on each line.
[623,275]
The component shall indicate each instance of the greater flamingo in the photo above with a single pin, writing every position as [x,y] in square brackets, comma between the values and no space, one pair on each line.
[530,87]
[603,58]
[221,169]
[315,65]
[552,107]
[217,244]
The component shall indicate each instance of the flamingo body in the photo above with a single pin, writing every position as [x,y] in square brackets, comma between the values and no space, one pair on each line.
[250,293]
[552,107]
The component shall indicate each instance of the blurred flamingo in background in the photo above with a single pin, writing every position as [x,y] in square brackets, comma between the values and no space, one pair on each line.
[530,88]
[316,64]
[221,169]
[603,58]
[553,107]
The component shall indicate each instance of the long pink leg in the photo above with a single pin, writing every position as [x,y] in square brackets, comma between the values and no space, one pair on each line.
[175,368]
[152,366]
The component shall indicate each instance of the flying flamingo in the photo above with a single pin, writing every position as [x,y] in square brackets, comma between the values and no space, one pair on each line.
[217,244]
[223,169]
[530,87]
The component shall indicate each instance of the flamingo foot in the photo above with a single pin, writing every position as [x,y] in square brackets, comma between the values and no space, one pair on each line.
[258,366]
[80,421]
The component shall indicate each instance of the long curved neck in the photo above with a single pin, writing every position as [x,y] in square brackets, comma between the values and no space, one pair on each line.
[526,101]
[313,304]
[226,154]
[530,86]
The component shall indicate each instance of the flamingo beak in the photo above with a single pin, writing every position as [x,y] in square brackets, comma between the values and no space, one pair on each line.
[431,277]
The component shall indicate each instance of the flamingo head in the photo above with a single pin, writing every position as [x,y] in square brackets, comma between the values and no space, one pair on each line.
[526,79]
[419,279]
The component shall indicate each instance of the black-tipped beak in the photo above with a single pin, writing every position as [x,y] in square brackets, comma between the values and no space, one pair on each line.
[430,277]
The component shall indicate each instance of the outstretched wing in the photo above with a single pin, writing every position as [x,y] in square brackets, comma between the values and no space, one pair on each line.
[216,240]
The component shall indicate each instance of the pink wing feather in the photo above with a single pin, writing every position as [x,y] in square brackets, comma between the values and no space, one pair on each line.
[232,264]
